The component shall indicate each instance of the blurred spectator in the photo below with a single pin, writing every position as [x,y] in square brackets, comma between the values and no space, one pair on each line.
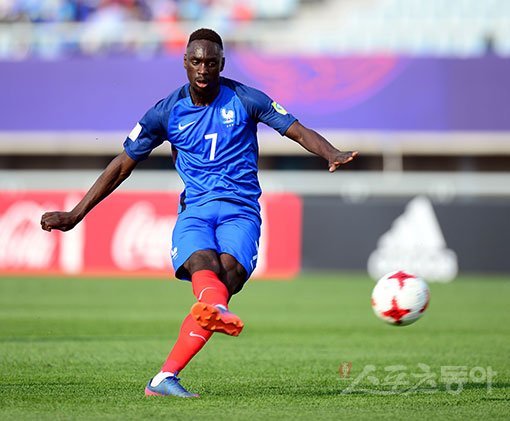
[70,27]
[409,27]
[83,10]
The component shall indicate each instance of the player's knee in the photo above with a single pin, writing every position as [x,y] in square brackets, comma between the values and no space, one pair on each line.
[232,273]
[203,260]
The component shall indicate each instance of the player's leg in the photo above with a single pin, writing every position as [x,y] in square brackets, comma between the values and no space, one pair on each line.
[193,247]
[232,273]
[211,311]
[195,259]
[203,267]
[237,235]
[194,253]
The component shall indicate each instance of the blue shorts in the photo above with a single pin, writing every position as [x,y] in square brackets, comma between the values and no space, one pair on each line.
[223,226]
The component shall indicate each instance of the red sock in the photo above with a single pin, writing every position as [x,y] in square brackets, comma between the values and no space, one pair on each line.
[208,288]
[191,340]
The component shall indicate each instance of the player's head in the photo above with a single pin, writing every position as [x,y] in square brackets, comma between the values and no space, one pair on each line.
[207,35]
[204,60]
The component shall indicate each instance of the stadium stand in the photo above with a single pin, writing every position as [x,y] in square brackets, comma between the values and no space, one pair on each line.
[400,42]
[55,28]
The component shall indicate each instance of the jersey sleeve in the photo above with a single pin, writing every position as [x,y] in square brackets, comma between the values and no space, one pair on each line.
[148,134]
[263,109]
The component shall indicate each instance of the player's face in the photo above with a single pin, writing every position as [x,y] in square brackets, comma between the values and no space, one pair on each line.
[204,62]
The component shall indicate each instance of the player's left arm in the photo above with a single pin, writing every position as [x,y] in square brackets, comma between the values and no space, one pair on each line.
[318,145]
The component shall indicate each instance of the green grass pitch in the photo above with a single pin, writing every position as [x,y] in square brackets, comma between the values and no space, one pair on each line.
[85,348]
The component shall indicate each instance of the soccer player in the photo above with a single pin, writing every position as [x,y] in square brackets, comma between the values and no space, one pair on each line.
[211,123]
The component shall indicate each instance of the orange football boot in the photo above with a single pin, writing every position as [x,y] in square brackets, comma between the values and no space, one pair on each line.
[216,319]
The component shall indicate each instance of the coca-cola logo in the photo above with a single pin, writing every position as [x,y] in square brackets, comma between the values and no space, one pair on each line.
[142,239]
[23,245]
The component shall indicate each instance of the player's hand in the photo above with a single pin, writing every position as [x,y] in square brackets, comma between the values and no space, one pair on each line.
[341,158]
[63,221]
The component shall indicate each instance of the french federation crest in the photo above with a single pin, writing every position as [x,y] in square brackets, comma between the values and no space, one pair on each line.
[228,116]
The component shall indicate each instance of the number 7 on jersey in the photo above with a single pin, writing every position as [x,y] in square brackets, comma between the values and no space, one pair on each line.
[214,138]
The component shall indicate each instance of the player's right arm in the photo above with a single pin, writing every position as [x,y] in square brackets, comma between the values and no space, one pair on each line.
[114,174]
[148,134]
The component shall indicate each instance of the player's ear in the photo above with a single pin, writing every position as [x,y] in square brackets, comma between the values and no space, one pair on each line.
[185,61]
[222,64]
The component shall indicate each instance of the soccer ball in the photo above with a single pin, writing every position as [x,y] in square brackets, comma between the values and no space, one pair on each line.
[400,298]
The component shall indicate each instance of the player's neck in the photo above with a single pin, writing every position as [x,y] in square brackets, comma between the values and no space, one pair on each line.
[203,99]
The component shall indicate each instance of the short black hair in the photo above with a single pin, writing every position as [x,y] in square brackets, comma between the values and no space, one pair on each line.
[207,34]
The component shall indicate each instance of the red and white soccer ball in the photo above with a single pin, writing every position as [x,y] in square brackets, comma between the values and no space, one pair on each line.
[400,298]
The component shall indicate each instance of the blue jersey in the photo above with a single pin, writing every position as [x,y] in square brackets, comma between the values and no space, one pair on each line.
[217,148]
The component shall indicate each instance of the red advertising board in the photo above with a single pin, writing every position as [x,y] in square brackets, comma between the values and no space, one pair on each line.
[127,234]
